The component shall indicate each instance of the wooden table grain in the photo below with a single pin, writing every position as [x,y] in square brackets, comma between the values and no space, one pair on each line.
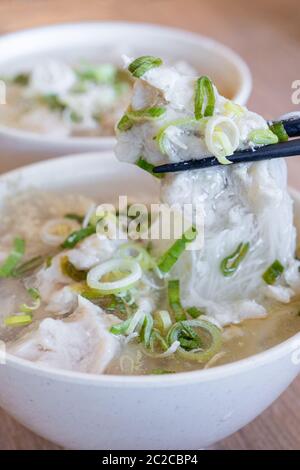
[267,34]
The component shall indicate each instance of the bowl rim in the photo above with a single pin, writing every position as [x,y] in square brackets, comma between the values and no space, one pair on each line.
[242,69]
[289,346]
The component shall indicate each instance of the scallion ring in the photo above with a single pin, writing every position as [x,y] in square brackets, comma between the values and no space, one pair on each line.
[222,137]
[55,231]
[131,270]
[180,332]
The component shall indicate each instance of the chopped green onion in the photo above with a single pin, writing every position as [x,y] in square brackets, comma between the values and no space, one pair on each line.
[184,332]
[157,346]
[77,217]
[130,117]
[78,236]
[160,138]
[223,147]
[36,297]
[137,253]
[125,123]
[163,321]
[174,300]
[104,73]
[149,113]
[233,109]
[230,264]
[9,265]
[142,163]
[53,102]
[129,326]
[273,272]
[194,312]
[21,79]
[121,328]
[28,267]
[141,65]
[147,330]
[168,259]
[130,270]
[69,270]
[204,104]
[262,137]
[278,129]
[18,320]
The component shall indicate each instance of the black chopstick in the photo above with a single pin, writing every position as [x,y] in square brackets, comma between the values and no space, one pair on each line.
[291,125]
[284,149]
[267,152]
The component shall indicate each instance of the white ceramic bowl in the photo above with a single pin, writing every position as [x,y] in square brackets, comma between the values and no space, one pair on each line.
[97,41]
[182,411]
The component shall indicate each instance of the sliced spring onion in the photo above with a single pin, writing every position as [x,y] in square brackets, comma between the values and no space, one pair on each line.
[28,267]
[69,270]
[137,253]
[36,297]
[73,216]
[21,79]
[273,272]
[278,129]
[161,136]
[233,109]
[162,321]
[131,270]
[142,163]
[18,320]
[222,137]
[129,326]
[146,114]
[103,73]
[53,102]
[125,123]
[55,231]
[185,333]
[194,312]
[169,258]
[142,64]
[230,264]
[8,266]
[78,236]
[147,330]
[204,103]
[174,300]
[262,137]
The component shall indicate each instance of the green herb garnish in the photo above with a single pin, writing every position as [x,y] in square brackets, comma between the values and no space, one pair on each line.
[230,264]
[273,272]
[141,65]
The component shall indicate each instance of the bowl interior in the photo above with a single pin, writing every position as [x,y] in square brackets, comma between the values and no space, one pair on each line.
[104,178]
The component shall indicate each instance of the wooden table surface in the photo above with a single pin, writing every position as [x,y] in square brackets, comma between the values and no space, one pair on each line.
[267,34]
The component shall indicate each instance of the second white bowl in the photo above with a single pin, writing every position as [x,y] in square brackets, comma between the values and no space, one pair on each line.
[107,41]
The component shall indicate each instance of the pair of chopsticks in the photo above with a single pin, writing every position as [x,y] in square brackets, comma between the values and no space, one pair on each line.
[289,148]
